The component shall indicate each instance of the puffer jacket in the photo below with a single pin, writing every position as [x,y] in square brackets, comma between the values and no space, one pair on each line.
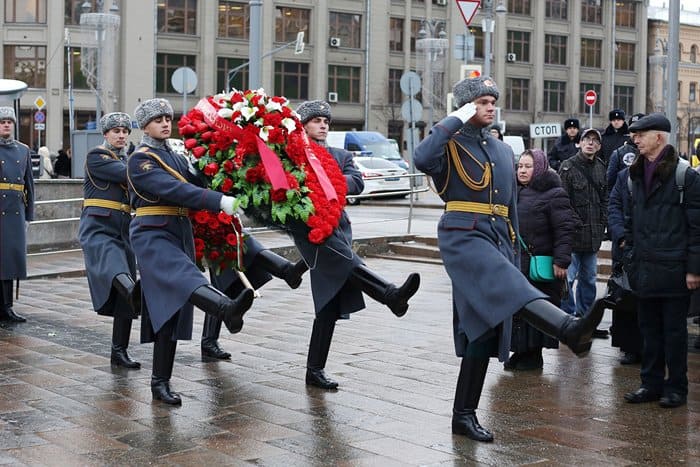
[563,149]
[547,221]
[589,201]
[662,236]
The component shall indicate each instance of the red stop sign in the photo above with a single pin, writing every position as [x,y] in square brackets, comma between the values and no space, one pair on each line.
[590,97]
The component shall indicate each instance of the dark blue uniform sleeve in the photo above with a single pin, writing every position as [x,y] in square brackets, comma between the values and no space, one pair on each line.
[619,199]
[353,177]
[429,155]
[613,168]
[105,167]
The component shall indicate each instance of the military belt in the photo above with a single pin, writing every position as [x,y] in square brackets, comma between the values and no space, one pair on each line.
[483,208]
[12,186]
[106,203]
[162,211]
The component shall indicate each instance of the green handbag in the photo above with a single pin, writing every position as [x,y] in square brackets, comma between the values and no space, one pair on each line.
[541,267]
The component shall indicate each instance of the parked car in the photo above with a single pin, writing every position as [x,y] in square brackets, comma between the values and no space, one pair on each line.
[367,143]
[381,177]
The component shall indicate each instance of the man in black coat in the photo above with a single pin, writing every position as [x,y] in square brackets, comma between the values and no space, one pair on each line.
[662,259]
[567,145]
[614,135]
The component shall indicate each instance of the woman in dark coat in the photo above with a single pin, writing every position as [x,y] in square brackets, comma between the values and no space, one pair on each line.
[547,224]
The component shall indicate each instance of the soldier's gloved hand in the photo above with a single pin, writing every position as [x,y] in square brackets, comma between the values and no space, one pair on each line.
[465,112]
[229,205]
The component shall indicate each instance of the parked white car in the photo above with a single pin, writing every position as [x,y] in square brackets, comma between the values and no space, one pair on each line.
[381,177]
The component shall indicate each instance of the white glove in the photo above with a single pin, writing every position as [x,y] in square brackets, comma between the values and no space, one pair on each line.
[229,205]
[465,112]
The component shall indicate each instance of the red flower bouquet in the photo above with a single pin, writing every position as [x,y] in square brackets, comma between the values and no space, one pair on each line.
[218,240]
[254,147]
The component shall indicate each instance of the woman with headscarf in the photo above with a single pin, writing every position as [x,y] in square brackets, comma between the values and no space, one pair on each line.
[547,224]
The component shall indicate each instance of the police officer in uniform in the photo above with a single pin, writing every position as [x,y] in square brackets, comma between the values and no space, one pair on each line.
[16,210]
[260,265]
[473,173]
[338,275]
[162,190]
[104,235]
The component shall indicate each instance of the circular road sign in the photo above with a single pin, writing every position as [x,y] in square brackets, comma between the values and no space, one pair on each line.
[590,97]
[184,80]
[411,110]
[39,116]
[410,83]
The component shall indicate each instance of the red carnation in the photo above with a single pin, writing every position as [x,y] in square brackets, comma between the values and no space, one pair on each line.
[191,143]
[187,130]
[199,151]
[214,255]
[211,169]
[232,239]
[201,127]
[201,217]
[224,218]
[213,223]
[279,195]
[227,185]
[228,166]
[236,97]
[206,136]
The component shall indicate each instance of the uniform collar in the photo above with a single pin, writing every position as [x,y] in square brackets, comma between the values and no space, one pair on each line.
[154,143]
[119,152]
[470,130]
[7,141]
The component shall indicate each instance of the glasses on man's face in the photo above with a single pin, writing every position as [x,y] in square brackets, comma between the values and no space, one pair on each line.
[593,141]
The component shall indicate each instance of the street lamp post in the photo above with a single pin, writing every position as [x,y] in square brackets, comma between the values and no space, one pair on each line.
[487,26]
[432,40]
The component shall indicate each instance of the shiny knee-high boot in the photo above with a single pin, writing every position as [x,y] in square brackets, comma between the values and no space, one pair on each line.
[163,359]
[210,339]
[279,267]
[319,346]
[396,298]
[472,374]
[121,330]
[217,304]
[131,291]
[7,313]
[576,333]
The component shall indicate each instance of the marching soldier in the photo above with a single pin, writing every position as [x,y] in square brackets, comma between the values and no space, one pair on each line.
[338,275]
[162,190]
[16,210]
[104,235]
[474,174]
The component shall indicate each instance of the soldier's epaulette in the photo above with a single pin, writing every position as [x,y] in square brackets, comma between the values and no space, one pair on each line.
[22,144]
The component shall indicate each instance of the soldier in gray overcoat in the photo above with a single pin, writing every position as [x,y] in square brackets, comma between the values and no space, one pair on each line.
[16,210]
[474,174]
[104,235]
[260,265]
[338,275]
[162,189]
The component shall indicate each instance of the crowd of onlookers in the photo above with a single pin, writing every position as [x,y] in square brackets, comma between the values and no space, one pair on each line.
[53,165]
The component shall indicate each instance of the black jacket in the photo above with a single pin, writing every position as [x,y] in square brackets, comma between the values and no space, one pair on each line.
[620,159]
[612,139]
[662,236]
[563,149]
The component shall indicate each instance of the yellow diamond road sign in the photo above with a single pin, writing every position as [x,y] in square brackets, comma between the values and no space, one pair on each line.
[39,103]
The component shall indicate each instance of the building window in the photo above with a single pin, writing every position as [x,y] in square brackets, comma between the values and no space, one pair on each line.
[554,96]
[177,16]
[26,63]
[556,9]
[591,52]
[519,44]
[292,80]
[345,80]
[591,11]
[79,79]
[25,11]
[691,92]
[396,34]
[234,20]
[73,10]
[624,98]
[346,26]
[166,64]
[519,7]
[624,58]
[693,54]
[239,80]
[554,49]
[289,22]
[517,93]
[416,26]
[625,14]
[395,95]
[478,34]
[582,88]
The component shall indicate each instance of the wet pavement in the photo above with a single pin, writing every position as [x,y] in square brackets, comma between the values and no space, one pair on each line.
[61,403]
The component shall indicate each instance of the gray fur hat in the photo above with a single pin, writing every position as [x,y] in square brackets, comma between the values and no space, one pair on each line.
[470,88]
[310,109]
[8,113]
[114,120]
[152,109]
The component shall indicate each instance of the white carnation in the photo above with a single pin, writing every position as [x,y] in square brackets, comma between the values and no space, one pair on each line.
[225,112]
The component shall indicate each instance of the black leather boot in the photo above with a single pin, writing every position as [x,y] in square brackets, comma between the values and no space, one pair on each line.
[472,373]
[163,359]
[396,298]
[215,303]
[279,267]
[121,330]
[6,311]
[210,337]
[576,333]
[130,290]
[319,346]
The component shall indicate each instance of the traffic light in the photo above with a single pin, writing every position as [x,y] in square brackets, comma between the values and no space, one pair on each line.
[469,71]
